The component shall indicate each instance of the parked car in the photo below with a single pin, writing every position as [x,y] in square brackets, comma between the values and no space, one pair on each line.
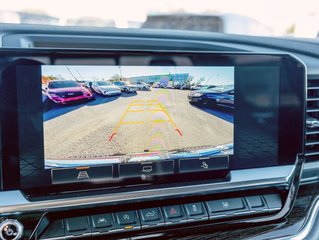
[208,86]
[198,87]
[88,84]
[163,85]
[126,86]
[66,91]
[156,85]
[105,88]
[169,86]
[142,86]
[217,96]
[177,85]
[186,86]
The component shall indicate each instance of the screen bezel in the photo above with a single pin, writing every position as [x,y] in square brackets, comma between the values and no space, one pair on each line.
[292,72]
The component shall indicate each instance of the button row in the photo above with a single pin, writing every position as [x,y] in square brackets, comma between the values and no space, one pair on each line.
[162,216]
[134,170]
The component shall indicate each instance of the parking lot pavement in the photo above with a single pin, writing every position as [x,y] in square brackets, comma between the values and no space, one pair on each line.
[220,112]
[160,119]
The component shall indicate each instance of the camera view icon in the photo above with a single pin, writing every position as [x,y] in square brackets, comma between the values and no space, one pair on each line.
[147,169]
[83,175]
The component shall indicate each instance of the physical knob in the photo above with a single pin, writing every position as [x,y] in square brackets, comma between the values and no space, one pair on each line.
[11,229]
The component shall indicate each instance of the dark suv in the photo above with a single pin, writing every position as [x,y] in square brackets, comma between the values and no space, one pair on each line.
[217,96]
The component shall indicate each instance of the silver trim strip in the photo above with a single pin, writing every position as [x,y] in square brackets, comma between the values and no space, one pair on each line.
[15,201]
[310,172]
[309,223]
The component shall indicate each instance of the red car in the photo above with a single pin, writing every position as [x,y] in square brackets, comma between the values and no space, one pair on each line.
[65,91]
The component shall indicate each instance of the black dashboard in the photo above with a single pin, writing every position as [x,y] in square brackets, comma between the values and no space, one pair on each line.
[231,201]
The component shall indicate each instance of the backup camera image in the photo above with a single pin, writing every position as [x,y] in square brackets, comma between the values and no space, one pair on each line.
[116,114]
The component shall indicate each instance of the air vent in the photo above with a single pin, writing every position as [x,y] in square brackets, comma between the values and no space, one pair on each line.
[312,131]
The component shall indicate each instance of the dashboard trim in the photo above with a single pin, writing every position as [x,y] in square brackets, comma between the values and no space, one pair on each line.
[309,223]
[310,173]
[16,202]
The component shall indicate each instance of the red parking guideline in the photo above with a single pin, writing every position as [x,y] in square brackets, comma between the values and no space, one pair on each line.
[111,137]
[179,132]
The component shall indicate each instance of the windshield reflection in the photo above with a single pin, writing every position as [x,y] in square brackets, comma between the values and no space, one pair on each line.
[262,18]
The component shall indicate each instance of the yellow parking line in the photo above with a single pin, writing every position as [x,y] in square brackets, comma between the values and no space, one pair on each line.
[138,104]
[151,104]
[122,117]
[136,111]
[137,122]
[167,114]
[154,110]
[143,103]
[160,121]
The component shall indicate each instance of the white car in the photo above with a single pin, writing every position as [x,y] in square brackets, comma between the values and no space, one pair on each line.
[105,88]
[142,86]
[126,86]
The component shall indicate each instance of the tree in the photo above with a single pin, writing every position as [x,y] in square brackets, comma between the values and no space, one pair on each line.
[189,80]
[201,80]
[46,79]
[116,77]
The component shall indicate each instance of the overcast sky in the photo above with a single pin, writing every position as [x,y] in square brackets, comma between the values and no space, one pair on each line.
[212,75]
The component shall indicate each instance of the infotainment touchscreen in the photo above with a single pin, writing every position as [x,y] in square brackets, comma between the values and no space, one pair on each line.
[121,114]
[82,119]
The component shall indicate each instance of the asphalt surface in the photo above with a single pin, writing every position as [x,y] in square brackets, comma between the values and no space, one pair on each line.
[156,120]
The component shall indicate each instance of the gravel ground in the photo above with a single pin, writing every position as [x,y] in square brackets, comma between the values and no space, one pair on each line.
[85,129]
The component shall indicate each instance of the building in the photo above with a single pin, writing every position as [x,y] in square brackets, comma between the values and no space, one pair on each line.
[177,79]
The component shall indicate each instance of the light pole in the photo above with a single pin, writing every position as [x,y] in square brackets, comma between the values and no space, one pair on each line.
[121,73]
